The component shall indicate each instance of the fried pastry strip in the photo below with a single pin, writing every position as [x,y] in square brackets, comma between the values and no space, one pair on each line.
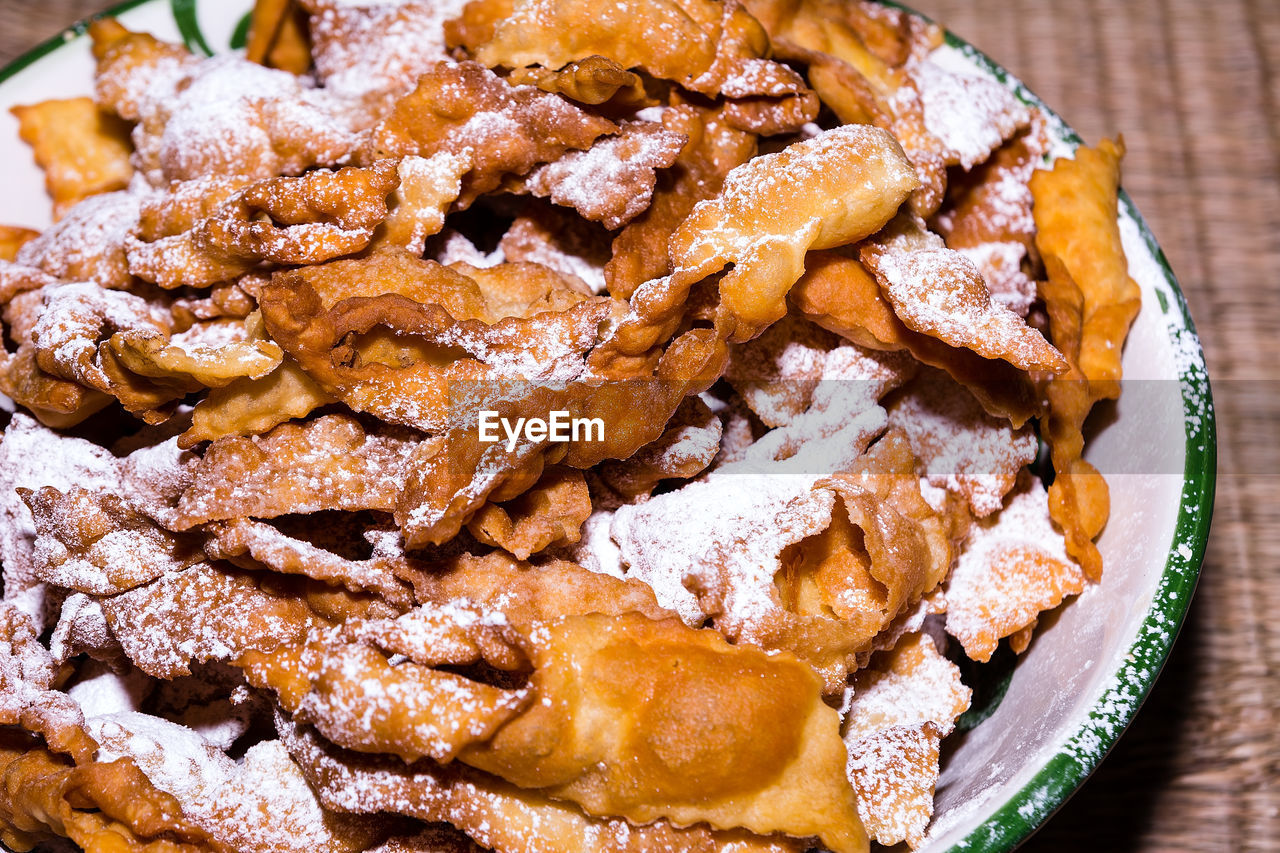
[219,116]
[372,52]
[50,398]
[715,49]
[1013,566]
[830,561]
[824,192]
[714,148]
[304,220]
[594,80]
[961,447]
[224,798]
[838,293]
[13,238]
[901,707]
[254,544]
[88,243]
[99,806]
[629,715]
[450,481]
[204,614]
[527,595]
[251,406]
[938,292]
[392,334]
[466,108]
[1091,301]
[83,151]
[278,36]
[57,786]
[550,513]
[346,685]
[96,542]
[495,813]
[612,181]
[331,462]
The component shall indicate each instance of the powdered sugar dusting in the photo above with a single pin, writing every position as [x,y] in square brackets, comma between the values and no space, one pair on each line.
[264,800]
[962,447]
[1013,566]
[33,456]
[713,546]
[970,116]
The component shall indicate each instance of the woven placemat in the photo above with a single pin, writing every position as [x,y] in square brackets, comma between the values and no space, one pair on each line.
[1193,87]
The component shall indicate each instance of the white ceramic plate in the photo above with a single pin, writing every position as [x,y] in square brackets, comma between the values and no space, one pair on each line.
[1041,726]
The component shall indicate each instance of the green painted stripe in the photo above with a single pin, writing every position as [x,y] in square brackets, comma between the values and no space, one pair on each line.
[184,14]
[63,38]
[240,37]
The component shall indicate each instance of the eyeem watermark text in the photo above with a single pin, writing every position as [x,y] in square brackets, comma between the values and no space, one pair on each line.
[559,427]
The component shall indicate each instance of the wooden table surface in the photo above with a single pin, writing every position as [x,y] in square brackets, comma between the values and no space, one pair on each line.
[1194,87]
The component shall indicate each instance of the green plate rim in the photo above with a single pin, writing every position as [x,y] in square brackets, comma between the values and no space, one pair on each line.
[1028,809]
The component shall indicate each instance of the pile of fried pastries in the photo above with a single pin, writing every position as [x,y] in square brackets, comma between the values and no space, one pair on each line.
[267,584]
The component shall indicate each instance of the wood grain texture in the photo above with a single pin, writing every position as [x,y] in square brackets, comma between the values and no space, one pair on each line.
[1193,87]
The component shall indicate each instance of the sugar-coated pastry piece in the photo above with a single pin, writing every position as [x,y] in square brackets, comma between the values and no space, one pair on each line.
[714,148]
[407,339]
[222,115]
[96,542]
[561,240]
[988,218]
[304,220]
[796,365]
[357,698]
[452,480]
[427,188]
[374,50]
[205,613]
[960,446]
[686,447]
[55,401]
[1013,566]
[464,107]
[250,406]
[225,798]
[612,181]
[594,80]
[330,462]
[550,513]
[73,340]
[253,544]
[714,49]
[899,708]
[938,292]
[88,243]
[827,191]
[838,293]
[858,84]
[778,554]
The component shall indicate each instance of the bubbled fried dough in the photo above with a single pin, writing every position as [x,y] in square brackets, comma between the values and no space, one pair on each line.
[674,699]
